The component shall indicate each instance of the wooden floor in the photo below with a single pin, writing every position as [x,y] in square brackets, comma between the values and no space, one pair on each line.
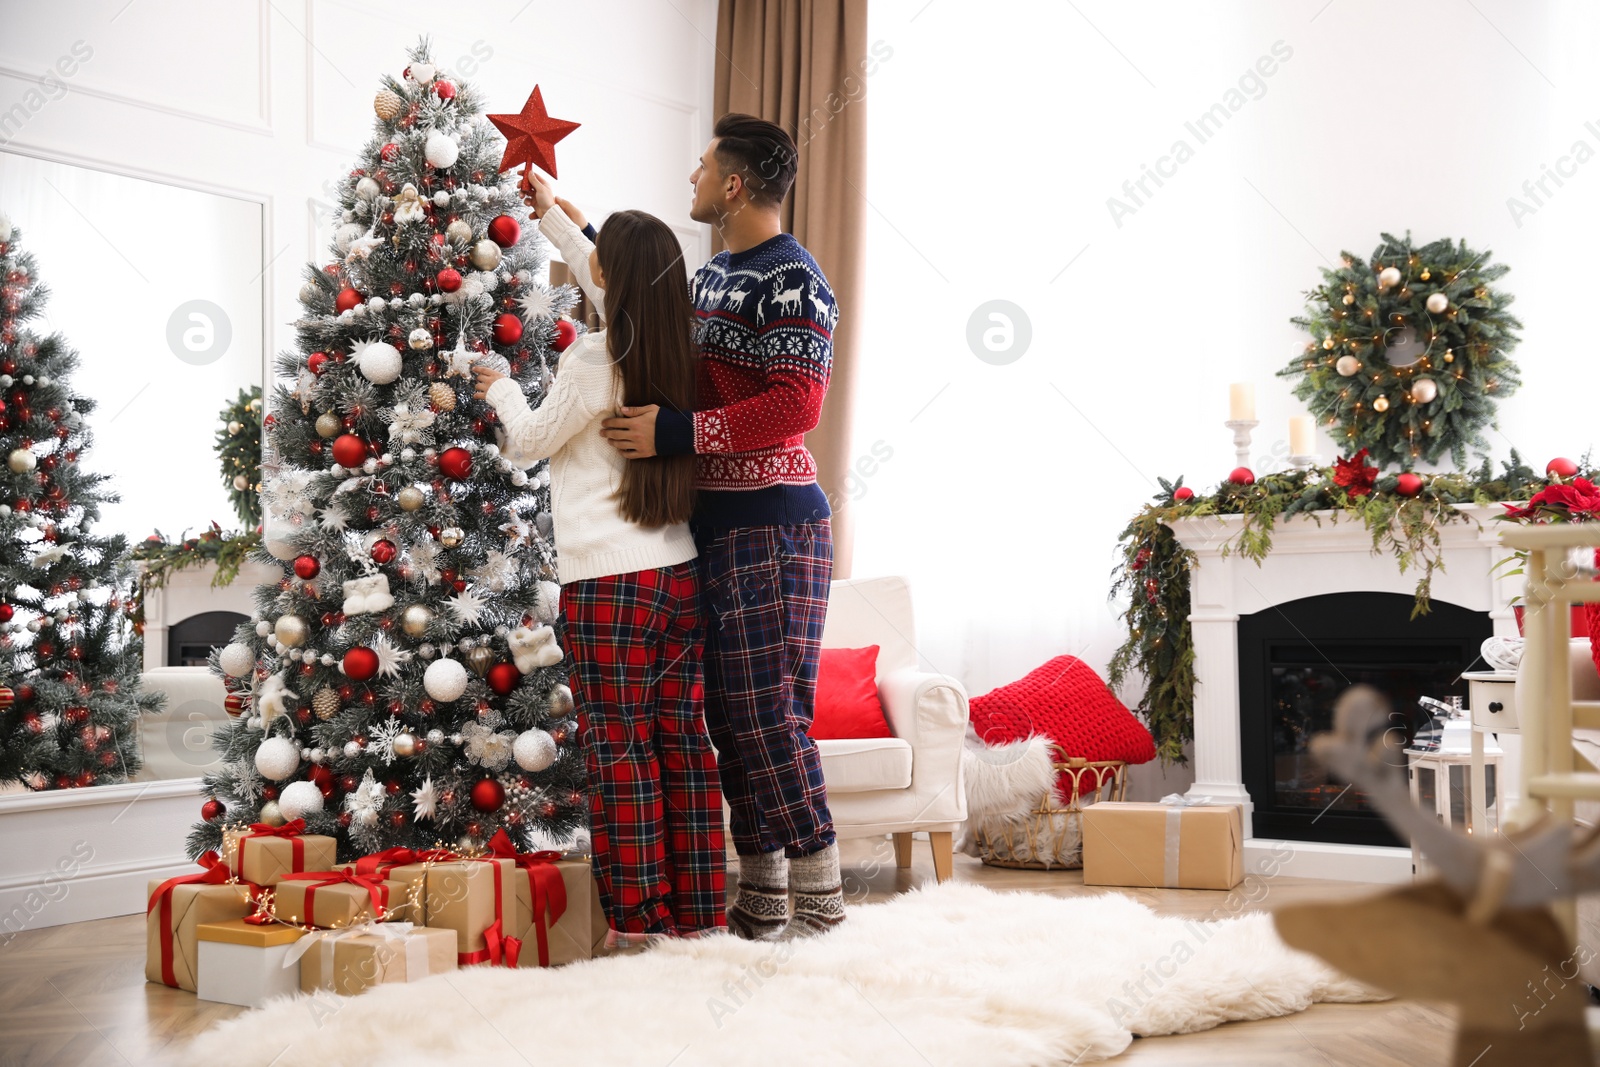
[77,994]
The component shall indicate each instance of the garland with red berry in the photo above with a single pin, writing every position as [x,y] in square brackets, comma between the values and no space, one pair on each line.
[228,549]
[1403,512]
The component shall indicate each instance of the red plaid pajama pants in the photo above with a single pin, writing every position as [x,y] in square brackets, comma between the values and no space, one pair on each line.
[655,806]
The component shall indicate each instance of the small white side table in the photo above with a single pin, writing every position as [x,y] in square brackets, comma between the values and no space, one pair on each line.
[1492,703]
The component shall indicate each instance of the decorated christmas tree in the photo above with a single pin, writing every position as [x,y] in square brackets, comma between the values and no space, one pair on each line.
[69,660]
[239,449]
[402,684]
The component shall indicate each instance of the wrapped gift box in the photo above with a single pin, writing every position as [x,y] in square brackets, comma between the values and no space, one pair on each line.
[334,898]
[571,936]
[264,854]
[355,959]
[1163,845]
[475,898]
[243,963]
[174,912]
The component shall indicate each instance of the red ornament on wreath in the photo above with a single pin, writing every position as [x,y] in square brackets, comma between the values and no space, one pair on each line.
[306,567]
[504,230]
[349,450]
[383,551]
[1242,476]
[566,333]
[488,795]
[1182,493]
[1561,467]
[448,280]
[347,299]
[507,329]
[503,678]
[212,810]
[1408,484]
[455,464]
[360,663]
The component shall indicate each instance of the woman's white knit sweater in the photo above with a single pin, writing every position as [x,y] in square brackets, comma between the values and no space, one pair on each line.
[593,539]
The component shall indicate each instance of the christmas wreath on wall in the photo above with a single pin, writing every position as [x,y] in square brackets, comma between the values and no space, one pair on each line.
[1409,351]
[239,448]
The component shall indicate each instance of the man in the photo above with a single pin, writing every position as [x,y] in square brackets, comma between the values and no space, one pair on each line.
[765,316]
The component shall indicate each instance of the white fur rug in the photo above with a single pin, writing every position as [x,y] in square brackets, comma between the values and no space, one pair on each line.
[953,975]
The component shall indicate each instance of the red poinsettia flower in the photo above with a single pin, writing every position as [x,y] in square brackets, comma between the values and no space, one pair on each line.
[1354,475]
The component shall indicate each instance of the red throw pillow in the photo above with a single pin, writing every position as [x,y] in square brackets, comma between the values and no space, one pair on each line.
[847,696]
[1066,701]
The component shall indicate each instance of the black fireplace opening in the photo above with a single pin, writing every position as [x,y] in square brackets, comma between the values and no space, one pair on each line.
[1294,661]
[189,642]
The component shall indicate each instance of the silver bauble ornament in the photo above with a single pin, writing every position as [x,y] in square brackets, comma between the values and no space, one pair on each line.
[450,536]
[420,339]
[291,630]
[329,425]
[458,232]
[404,744]
[270,814]
[560,701]
[415,620]
[485,255]
[410,498]
[21,461]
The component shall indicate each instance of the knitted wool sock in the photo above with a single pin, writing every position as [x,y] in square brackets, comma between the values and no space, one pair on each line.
[760,909]
[818,893]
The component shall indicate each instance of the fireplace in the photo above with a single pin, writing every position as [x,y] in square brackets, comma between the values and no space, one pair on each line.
[1295,658]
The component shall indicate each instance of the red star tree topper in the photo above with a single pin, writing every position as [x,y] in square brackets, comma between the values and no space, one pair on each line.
[531,136]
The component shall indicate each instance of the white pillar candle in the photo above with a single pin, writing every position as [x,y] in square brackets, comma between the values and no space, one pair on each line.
[1302,435]
[1242,402]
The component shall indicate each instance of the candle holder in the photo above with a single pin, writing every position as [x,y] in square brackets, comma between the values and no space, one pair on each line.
[1241,438]
[1305,462]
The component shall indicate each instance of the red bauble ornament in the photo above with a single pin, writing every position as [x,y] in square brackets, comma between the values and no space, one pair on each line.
[488,795]
[1182,493]
[566,333]
[316,361]
[383,551]
[446,90]
[1242,476]
[390,152]
[1561,467]
[455,464]
[448,280]
[507,329]
[503,678]
[360,663]
[349,450]
[235,704]
[347,299]
[6,611]
[306,567]
[531,135]
[504,230]
[1408,484]
[212,810]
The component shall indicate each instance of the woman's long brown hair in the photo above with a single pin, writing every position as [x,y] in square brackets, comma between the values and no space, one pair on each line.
[650,339]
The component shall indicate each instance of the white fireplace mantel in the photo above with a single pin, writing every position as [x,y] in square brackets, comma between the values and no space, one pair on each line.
[1312,554]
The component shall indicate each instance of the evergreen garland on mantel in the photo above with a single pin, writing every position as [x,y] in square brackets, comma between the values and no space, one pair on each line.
[1403,512]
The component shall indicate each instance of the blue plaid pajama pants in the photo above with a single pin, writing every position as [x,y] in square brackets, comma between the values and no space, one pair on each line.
[766,590]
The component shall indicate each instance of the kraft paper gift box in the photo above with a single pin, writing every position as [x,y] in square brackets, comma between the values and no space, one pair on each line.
[1163,845]
[571,936]
[357,958]
[174,911]
[264,854]
[242,963]
[333,898]
[469,897]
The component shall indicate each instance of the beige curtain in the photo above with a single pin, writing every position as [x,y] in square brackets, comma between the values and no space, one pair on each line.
[801,64]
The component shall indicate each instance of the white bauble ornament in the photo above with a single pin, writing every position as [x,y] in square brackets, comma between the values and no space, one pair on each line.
[291,630]
[347,233]
[458,232]
[441,150]
[485,255]
[308,292]
[1437,303]
[236,660]
[270,814]
[534,750]
[1389,277]
[445,680]
[441,199]
[1424,390]
[299,799]
[367,188]
[21,461]
[380,362]
[1347,365]
[351,750]
[420,339]
[277,758]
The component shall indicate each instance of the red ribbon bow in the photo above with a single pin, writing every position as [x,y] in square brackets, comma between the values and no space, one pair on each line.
[293,828]
[379,864]
[545,886]
[291,831]
[378,890]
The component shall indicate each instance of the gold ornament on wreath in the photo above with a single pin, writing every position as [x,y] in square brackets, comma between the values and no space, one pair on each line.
[1385,332]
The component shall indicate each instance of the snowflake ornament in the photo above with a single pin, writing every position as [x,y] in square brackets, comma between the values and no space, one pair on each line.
[467,606]
[390,657]
[424,800]
[381,739]
[536,304]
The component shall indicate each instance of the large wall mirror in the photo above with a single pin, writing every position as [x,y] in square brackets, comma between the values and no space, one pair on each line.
[159,288]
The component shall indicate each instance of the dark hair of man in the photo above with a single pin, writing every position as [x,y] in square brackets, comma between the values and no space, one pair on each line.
[760,152]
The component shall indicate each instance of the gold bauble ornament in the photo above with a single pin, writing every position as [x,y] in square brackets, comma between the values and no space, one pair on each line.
[1449,356]
[458,232]
[560,702]
[404,744]
[1425,275]
[1349,298]
[270,814]
[329,425]
[442,396]
[1381,404]
[486,255]
[234,427]
[480,660]
[450,536]
[1328,344]
[290,630]
[388,104]
[410,498]
[325,703]
[415,619]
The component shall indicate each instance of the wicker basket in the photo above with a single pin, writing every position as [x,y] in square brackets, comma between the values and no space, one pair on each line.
[1051,837]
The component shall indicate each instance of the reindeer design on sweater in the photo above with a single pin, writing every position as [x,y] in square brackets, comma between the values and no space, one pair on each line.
[786,298]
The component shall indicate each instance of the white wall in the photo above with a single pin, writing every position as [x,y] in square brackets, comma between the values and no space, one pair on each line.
[270,102]
[996,142]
